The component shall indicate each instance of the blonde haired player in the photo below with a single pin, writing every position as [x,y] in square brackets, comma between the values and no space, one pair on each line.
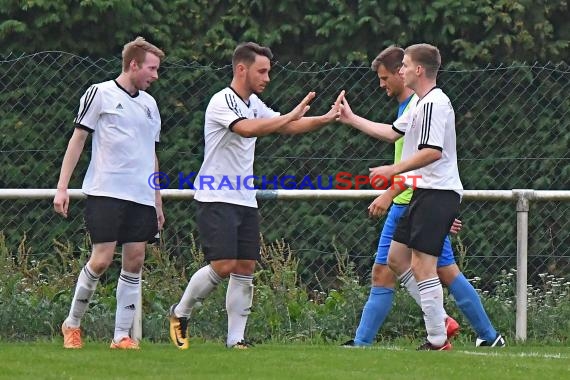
[121,207]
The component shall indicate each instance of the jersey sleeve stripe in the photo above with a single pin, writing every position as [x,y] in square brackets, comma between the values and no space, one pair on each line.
[232,105]
[89,96]
[426,123]
[422,146]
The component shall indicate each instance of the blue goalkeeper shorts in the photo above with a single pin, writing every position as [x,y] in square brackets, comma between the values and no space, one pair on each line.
[394,215]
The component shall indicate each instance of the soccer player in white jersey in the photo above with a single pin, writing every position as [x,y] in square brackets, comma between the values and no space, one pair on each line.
[387,65]
[429,159]
[121,207]
[227,214]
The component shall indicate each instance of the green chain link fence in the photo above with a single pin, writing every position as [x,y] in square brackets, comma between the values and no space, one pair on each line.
[513,131]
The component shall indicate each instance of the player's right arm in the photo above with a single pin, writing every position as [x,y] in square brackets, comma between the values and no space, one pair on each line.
[379,131]
[72,154]
[382,203]
[265,126]
[85,123]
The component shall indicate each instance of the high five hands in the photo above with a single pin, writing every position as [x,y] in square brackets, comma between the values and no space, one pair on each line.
[304,106]
[334,112]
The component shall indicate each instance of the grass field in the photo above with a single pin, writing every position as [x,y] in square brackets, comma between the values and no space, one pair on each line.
[273,361]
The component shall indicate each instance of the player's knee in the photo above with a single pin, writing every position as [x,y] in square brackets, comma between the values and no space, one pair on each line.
[99,265]
[224,268]
[244,267]
[133,258]
[396,265]
[133,264]
[383,276]
[448,274]
[422,272]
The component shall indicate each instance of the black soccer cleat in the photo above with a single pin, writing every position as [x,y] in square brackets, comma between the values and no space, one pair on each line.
[427,346]
[242,345]
[498,342]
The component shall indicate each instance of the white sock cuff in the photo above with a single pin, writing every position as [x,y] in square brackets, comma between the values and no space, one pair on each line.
[428,285]
[130,278]
[90,273]
[405,277]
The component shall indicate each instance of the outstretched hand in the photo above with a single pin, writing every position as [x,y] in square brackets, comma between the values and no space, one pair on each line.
[346,113]
[303,107]
[334,112]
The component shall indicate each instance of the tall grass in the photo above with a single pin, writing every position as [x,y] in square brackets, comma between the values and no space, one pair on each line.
[35,298]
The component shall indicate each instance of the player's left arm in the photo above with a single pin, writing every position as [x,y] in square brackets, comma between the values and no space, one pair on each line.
[424,157]
[158,199]
[312,123]
[421,158]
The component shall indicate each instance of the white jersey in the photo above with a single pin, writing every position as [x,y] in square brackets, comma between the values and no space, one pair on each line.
[125,129]
[430,123]
[226,174]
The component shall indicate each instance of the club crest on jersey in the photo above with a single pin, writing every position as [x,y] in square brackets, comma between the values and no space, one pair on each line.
[254,112]
[148,114]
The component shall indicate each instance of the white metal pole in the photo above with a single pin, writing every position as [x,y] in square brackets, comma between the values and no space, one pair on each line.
[468,195]
[522,260]
[136,331]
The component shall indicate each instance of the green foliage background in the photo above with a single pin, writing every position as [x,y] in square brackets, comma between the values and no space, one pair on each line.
[468,31]
[512,118]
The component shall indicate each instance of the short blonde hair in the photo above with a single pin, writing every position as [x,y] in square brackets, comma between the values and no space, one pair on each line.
[137,50]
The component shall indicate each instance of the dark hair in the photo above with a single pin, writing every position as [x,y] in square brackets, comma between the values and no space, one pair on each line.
[246,52]
[391,58]
[425,55]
